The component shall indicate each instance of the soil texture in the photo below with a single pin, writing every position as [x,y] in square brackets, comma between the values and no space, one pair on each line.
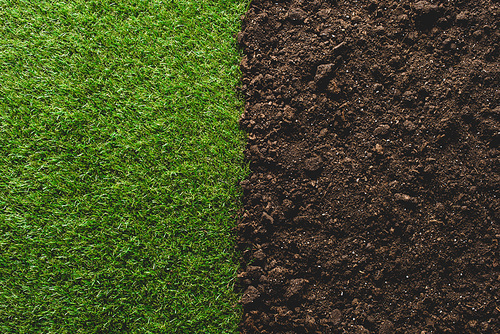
[373,140]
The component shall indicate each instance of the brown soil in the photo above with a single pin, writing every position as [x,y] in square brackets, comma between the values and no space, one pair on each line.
[373,139]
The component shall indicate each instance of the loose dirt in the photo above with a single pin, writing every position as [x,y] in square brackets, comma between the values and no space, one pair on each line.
[373,140]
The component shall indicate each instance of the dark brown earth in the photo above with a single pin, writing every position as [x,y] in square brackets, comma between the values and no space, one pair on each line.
[373,139]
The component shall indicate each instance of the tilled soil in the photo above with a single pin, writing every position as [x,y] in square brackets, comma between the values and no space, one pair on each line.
[373,140]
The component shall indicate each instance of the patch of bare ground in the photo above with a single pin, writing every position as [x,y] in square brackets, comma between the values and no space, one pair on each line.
[373,137]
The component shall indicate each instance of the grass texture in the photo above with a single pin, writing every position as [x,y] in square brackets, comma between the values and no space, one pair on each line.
[119,161]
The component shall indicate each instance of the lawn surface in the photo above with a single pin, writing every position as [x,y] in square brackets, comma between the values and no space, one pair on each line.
[119,160]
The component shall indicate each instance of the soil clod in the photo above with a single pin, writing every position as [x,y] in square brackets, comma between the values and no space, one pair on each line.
[250,295]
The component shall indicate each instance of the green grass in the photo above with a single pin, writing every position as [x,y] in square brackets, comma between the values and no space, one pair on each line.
[119,161]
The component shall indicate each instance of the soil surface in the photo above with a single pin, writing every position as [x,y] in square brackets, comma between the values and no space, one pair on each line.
[373,139]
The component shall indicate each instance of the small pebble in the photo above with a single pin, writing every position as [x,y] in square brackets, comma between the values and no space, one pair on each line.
[463,17]
[267,217]
[323,71]
[323,133]
[336,316]
[409,126]
[297,14]
[313,164]
[250,295]
[382,130]
[386,327]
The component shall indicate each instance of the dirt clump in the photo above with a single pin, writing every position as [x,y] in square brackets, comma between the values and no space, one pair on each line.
[373,140]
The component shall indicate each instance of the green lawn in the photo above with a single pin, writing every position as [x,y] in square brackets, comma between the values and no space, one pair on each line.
[119,161]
